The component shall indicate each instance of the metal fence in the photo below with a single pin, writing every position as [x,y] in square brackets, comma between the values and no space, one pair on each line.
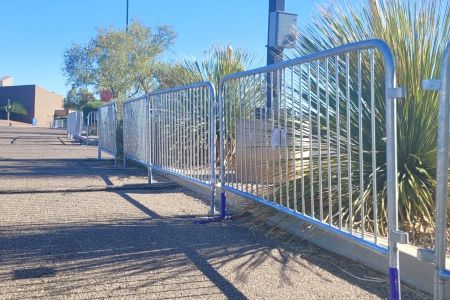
[442,275]
[74,125]
[174,131]
[136,132]
[183,133]
[90,125]
[107,128]
[306,137]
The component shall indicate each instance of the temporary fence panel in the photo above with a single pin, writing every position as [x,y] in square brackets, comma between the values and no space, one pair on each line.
[183,133]
[312,136]
[442,275]
[90,128]
[136,130]
[107,127]
[58,123]
[74,125]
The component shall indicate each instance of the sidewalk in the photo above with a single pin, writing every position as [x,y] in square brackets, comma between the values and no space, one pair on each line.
[142,244]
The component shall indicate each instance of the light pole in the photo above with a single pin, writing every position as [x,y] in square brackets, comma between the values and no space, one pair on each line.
[274,55]
[127,17]
[281,34]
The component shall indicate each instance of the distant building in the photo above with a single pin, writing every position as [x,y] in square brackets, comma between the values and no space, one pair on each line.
[6,81]
[40,103]
[60,118]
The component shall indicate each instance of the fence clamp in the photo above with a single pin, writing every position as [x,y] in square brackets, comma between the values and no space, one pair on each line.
[426,255]
[400,237]
[431,84]
[396,92]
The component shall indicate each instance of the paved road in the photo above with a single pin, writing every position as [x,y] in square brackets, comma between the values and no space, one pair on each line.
[142,244]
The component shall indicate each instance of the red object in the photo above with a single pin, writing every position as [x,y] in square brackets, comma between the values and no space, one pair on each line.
[105,95]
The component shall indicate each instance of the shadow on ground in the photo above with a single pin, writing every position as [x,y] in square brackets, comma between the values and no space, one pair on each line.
[169,247]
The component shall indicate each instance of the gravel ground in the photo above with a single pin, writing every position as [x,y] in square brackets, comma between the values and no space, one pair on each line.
[143,244]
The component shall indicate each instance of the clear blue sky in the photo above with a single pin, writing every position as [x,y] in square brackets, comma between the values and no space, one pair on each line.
[35,33]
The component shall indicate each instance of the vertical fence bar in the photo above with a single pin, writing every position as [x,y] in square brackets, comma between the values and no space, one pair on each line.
[361,150]
[349,148]
[302,165]
[374,149]
[286,141]
[311,156]
[279,74]
[319,140]
[338,133]
[327,100]
[294,154]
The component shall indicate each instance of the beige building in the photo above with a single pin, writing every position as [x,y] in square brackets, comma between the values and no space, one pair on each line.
[39,103]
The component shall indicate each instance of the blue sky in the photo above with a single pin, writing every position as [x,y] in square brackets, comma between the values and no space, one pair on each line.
[35,33]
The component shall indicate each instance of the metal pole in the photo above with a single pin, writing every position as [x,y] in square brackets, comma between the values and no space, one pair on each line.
[274,55]
[442,177]
[127,17]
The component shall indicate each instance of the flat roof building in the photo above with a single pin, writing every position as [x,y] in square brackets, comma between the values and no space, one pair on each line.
[39,103]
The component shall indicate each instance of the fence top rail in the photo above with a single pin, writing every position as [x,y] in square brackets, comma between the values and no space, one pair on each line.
[135,99]
[185,87]
[74,113]
[108,104]
[356,46]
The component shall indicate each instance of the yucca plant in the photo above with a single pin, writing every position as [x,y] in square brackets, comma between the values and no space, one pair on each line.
[217,62]
[417,32]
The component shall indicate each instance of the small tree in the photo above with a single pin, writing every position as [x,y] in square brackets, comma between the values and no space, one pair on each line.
[91,106]
[122,62]
[14,108]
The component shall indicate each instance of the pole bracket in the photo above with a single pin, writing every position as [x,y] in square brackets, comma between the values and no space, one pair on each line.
[431,84]
[396,92]
[426,255]
[400,237]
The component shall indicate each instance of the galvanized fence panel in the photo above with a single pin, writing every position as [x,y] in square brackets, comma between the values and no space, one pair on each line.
[136,130]
[75,125]
[311,136]
[442,274]
[183,133]
[90,126]
[107,127]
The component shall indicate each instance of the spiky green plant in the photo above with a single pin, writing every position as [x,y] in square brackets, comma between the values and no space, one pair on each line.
[417,32]
[14,108]
[217,62]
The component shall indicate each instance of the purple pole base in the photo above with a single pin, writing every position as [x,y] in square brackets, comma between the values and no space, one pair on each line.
[223,212]
[394,284]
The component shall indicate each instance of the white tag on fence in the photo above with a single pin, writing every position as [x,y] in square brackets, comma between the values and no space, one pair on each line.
[279,137]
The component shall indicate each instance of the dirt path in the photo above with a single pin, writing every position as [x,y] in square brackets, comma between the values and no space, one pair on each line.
[142,244]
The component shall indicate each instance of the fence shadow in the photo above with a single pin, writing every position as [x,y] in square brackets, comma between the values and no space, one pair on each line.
[167,253]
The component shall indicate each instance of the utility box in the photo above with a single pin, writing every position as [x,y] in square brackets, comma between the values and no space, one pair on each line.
[282,29]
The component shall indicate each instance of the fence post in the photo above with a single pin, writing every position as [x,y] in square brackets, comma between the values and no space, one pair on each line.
[443,86]
[223,203]
[148,140]
[395,236]
[212,144]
